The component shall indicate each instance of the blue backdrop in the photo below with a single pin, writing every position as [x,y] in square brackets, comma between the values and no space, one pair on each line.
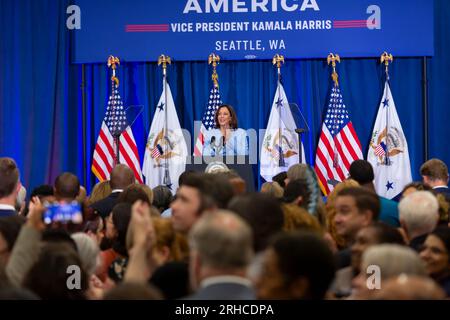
[41,93]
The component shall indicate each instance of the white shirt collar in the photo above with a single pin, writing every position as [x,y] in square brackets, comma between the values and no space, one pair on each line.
[225,279]
[117,190]
[443,186]
[7,207]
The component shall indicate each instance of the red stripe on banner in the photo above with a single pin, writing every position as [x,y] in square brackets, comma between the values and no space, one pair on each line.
[99,170]
[348,27]
[148,25]
[129,31]
[103,157]
[355,136]
[107,144]
[147,28]
[350,21]
[131,144]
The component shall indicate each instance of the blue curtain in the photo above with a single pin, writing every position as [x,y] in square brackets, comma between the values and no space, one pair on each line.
[41,110]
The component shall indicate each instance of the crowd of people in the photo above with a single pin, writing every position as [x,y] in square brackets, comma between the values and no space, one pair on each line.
[213,240]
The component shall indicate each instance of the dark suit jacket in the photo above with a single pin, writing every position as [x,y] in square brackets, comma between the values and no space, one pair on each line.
[224,291]
[104,207]
[417,242]
[444,191]
[7,213]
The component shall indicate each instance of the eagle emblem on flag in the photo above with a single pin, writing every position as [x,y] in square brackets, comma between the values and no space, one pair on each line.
[387,144]
[164,147]
[281,145]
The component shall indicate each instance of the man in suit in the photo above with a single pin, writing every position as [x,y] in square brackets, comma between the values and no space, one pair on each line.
[220,251]
[9,186]
[121,177]
[435,174]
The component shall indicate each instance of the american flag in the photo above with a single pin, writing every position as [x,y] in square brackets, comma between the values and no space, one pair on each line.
[157,152]
[208,119]
[380,149]
[115,122]
[338,145]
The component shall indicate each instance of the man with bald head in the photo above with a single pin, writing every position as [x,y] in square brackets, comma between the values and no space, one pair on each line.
[220,251]
[67,187]
[410,287]
[121,177]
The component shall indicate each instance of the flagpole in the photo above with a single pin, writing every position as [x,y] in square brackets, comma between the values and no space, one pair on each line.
[425,106]
[83,110]
[332,59]
[164,60]
[386,59]
[278,60]
[112,63]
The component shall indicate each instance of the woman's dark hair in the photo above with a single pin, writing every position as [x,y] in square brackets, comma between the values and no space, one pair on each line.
[162,197]
[264,215]
[280,178]
[305,255]
[419,186]
[49,276]
[133,193]
[296,189]
[443,233]
[121,215]
[234,121]
[386,234]
[93,224]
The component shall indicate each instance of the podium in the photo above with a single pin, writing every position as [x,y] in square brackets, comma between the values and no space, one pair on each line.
[240,164]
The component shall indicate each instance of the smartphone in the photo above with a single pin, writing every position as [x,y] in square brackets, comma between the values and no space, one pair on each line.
[63,212]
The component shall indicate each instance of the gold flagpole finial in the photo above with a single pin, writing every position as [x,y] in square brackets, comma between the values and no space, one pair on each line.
[164,60]
[332,59]
[214,59]
[113,62]
[387,59]
[278,60]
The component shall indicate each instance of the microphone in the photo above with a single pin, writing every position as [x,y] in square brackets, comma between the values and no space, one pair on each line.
[213,145]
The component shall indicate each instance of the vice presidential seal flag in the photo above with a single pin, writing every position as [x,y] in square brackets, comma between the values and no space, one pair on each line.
[166,149]
[388,152]
[280,148]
